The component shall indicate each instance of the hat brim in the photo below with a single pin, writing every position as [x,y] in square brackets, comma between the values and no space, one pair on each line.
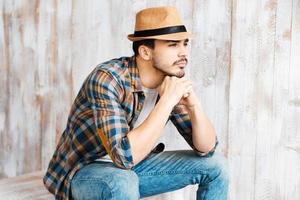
[172,36]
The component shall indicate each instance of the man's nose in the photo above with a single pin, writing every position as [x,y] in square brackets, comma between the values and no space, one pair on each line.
[183,52]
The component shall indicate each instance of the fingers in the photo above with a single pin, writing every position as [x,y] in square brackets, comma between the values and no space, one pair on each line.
[176,88]
[188,91]
[186,95]
[182,84]
[186,87]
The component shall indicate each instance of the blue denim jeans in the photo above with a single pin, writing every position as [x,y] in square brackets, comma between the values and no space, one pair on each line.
[158,173]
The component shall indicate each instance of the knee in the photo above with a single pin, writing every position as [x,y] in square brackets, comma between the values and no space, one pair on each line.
[125,186]
[219,169]
[119,185]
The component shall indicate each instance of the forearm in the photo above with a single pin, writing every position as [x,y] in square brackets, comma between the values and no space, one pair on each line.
[204,136]
[143,138]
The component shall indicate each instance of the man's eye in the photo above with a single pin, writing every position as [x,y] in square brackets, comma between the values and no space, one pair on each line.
[173,45]
[186,44]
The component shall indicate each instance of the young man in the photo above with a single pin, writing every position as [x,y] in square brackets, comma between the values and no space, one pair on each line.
[121,111]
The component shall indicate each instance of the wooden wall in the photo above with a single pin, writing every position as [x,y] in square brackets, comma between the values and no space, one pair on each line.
[245,64]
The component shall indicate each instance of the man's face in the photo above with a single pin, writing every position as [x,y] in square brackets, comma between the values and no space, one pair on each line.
[170,57]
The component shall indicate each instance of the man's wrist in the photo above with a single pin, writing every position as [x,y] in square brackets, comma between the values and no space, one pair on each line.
[193,108]
[166,102]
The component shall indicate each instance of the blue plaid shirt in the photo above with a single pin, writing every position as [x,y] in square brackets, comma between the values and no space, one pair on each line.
[104,111]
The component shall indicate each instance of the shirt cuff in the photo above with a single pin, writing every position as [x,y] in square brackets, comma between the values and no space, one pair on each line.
[124,156]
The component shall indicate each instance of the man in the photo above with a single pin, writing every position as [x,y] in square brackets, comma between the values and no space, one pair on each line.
[121,111]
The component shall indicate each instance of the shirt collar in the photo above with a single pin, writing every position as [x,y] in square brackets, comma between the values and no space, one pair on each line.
[134,74]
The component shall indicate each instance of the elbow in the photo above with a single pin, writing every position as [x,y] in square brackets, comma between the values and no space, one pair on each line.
[208,151]
[208,148]
[205,153]
[205,149]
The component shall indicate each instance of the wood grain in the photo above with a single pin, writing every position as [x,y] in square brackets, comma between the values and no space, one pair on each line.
[261,78]
[244,63]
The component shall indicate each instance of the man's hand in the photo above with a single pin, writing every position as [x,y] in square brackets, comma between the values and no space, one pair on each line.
[175,89]
[180,91]
[189,100]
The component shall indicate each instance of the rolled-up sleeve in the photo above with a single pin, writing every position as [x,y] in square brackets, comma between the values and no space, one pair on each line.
[105,94]
[182,122]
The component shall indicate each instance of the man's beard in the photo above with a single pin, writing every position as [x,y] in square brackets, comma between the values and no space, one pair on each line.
[178,74]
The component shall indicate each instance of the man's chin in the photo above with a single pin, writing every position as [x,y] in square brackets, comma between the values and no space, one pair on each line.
[178,75]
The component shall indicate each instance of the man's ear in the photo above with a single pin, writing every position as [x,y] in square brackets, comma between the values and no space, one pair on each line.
[145,52]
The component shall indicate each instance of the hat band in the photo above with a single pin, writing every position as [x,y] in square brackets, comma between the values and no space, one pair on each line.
[160,31]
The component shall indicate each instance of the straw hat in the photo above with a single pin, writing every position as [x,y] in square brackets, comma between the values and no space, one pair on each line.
[163,23]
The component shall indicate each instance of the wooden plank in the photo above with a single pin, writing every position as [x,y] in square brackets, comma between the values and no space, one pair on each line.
[246,61]
[28,186]
[290,171]
[257,148]
[44,76]
[18,136]
[210,62]
[268,134]
[4,97]
[274,177]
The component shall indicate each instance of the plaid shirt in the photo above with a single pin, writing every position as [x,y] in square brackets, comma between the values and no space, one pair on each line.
[104,111]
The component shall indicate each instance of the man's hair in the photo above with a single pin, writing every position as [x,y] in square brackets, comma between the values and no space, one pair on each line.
[136,44]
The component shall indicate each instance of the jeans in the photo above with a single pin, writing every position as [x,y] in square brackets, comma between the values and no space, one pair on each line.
[158,173]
